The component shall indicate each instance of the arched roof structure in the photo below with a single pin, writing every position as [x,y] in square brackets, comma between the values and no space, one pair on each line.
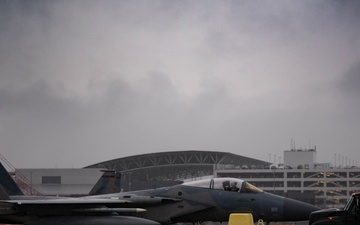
[177,165]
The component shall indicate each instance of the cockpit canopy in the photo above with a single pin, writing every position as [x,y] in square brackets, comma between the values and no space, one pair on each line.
[225,184]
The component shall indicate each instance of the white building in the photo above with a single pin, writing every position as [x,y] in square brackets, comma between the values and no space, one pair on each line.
[300,158]
[65,182]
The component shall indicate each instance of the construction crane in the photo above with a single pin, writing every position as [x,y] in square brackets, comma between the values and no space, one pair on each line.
[23,182]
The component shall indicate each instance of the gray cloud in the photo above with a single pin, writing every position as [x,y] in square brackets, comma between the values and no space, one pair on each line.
[81,83]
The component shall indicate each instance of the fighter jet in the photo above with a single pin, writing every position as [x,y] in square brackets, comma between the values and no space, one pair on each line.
[198,201]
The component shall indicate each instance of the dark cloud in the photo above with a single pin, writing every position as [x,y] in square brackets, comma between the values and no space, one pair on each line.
[351,81]
[349,94]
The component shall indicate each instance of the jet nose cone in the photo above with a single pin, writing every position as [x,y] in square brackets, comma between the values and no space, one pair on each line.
[297,211]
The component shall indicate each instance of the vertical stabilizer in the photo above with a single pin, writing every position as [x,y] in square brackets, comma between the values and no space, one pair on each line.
[108,183]
[3,194]
[7,183]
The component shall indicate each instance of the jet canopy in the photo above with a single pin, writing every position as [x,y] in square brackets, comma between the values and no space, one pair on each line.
[225,184]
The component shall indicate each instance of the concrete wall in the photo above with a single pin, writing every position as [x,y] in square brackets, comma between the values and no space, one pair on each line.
[64,182]
[304,158]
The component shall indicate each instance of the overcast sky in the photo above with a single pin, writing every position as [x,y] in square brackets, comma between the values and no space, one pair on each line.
[88,81]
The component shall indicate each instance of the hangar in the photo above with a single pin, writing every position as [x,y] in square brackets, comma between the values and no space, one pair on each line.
[136,172]
[299,178]
[169,168]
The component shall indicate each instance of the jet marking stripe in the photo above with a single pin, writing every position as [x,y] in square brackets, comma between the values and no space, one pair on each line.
[66,201]
[120,210]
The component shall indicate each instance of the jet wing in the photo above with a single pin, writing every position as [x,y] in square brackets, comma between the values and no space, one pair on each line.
[65,201]
[128,201]
[88,205]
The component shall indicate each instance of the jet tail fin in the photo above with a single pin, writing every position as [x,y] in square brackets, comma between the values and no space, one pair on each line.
[8,184]
[108,183]
[3,194]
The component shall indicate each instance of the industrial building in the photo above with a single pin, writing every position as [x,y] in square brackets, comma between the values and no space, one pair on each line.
[63,182]
[170,168]
[300,158]
[299,177]
[137,172]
